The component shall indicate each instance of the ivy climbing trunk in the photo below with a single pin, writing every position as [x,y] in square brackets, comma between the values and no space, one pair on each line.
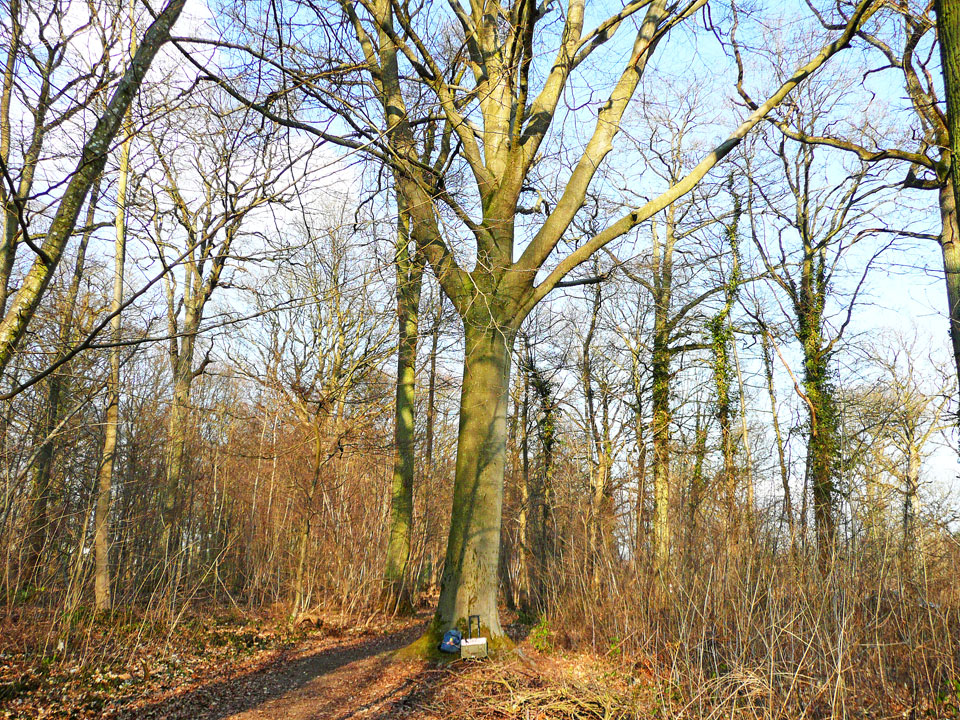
[823,444]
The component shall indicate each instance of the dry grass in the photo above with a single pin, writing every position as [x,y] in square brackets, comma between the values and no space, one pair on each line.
[766,634]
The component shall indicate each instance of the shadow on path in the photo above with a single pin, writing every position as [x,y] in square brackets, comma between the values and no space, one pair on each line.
[333,682]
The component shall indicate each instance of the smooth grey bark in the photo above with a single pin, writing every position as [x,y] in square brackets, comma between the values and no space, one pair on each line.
[101,523]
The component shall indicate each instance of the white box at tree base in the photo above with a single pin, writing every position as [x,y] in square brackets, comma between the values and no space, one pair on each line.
[473,647]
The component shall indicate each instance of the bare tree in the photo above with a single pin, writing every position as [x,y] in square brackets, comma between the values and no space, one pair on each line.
[481,79]
[823,219]
[209,201]
[90,165]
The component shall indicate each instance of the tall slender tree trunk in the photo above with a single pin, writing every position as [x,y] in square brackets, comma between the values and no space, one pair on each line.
[744,435]
[469,583]
[525,532]
[910,492]
[432,391]
[601,492]
[10,220]
[698,481]
[397,582]
[778,436]
[42,469]
[433,539]
[101,522]
[175,457]
[639,429]
[661,452]
[300,586]
[721,343]
[300,598]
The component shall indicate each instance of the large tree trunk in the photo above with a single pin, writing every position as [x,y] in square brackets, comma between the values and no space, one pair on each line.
[601,488]
[10,219]
[175,456]
[948,33]
[397,583]
[101,522]
[721,342]
[469,583]
[660,396]
[300,594]
[639,428]
[822,445]
[950,247]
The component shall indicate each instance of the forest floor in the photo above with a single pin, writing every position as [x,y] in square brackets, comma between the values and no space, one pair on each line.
[239,668]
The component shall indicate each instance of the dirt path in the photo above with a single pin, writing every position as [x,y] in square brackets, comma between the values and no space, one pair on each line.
[328,679]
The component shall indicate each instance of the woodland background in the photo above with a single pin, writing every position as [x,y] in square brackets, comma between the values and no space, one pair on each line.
[731,434]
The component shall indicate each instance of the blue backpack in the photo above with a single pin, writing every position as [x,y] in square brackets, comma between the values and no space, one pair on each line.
[451,641]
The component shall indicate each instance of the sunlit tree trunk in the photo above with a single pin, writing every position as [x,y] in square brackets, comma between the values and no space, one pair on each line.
[101,522]
[10,220]
[183,377]
[469,583]
[639,429]
[527,494]
[409,270]
[948,33]
[661,358]
[433,539]
[950,249]
[598,433]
